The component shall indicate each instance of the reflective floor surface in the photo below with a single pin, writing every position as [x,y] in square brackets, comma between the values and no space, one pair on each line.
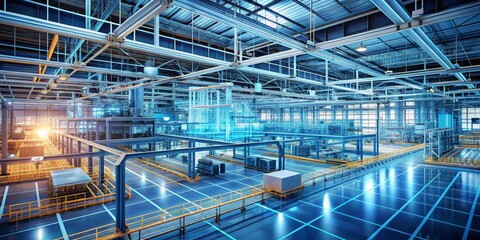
[403,200]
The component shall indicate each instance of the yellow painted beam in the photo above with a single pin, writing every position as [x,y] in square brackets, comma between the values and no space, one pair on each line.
[42,69]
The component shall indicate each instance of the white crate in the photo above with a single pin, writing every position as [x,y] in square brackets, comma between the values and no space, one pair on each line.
[282,181]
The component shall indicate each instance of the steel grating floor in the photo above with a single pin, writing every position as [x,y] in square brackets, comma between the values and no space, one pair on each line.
[391,203]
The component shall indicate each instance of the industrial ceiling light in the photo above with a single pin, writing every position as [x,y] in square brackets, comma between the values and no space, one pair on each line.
[63,77]
[150,68]
[44,91]
[54,84]
[361,48]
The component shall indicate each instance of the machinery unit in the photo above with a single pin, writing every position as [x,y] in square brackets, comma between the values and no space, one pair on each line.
[301,150]
[262,162]
[267,164]
[18,134]
[207,167]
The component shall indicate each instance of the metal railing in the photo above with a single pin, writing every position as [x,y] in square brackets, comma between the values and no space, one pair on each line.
[188,213]
[340,169]
[49,206]
[179,172]
[178,217]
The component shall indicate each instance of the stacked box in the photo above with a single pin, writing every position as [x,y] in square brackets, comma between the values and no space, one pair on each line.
[266,164]
[282,181]
[251,161]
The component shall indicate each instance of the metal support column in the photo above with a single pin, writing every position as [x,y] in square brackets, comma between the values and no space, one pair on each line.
[317,149]
[244,158]
[70,150]
[4,137]
[120,197]
[101,169]
[79,150]
[191,161]
[63,145]
[376,142]
[361,149]
[107,130]
[75,129]
[245,150]
[97,131]
[281,156]
[90,160]
[358,147]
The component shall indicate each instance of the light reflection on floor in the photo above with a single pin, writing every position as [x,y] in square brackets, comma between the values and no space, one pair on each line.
[353,210]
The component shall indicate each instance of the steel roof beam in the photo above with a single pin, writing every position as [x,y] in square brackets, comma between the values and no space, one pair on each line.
[226,16]
[35,24]
[393,10]
[424,21]
[434,71]
[142,16]
[22,21]
[212,10]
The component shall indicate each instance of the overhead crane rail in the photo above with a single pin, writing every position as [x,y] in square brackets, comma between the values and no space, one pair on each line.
[175,218]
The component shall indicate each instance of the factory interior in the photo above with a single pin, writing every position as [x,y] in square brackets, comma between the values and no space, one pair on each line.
[240,119]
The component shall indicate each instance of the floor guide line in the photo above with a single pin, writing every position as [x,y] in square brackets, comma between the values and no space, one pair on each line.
[359,195]
[4,199]
[109,212]
[38,194]
[433,208]
[62,227]
[472,211]
[401,208]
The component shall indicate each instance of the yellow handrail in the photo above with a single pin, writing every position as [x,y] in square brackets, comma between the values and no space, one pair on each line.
[158,217]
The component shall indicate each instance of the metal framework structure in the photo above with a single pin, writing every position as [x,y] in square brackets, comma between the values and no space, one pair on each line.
[392,54]
[254,42]
[438,142]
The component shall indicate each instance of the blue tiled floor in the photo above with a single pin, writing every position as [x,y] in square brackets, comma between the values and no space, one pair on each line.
[390,203]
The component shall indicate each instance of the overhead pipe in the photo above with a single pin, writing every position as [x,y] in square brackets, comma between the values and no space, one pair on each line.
[121,162]
[142,16]
[419,73]
[129,44]
[106,13]
[211,10]
[393,10]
